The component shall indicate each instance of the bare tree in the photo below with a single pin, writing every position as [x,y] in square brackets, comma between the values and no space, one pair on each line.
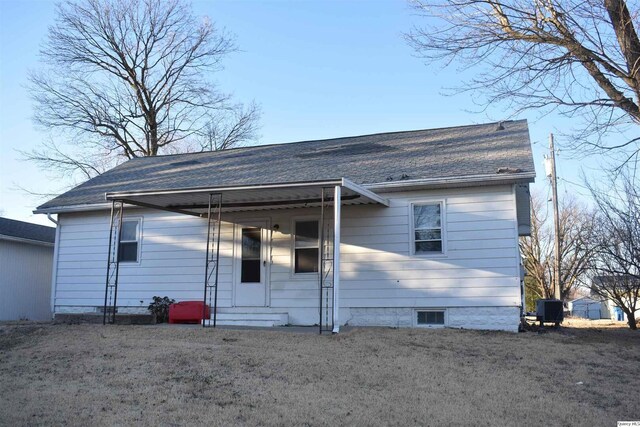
[576,225]
[130,78]
[616,264]
[579,56]
[220,134]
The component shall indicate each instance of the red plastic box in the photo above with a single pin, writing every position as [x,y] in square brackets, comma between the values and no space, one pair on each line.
[188,312]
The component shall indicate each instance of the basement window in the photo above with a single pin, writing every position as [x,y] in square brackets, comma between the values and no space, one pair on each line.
[128,251]
[430,318]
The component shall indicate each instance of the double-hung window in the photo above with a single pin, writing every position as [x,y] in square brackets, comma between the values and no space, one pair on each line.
[427,228]
[129,240]
[306,246]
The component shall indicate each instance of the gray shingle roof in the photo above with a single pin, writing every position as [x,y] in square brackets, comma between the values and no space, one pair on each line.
[27,230]
[422,154]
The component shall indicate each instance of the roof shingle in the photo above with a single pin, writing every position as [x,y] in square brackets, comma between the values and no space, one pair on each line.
[27,230]
[422,154]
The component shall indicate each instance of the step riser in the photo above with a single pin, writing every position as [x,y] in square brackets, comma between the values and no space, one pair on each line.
[252,319]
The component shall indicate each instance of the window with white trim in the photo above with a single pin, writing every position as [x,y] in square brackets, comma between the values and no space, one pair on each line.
[306,246]
[430,318]
[129,240]
[427,228]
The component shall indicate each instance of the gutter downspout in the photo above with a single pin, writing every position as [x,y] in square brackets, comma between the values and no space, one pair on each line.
[51,219]
[54,270]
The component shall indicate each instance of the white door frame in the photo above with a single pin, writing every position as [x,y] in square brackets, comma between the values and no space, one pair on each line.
[265,224]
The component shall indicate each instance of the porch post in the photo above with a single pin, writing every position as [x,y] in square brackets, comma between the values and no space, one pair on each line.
[337,202]
[113,262]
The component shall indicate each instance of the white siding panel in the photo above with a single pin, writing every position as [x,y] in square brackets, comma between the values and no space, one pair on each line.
[480,267]
[474,225]
[500,215]
[374,255]
[475,235]
[364,230]
[467,244]
[171,260]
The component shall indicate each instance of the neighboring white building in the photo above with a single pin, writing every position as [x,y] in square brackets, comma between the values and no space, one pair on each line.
[610,308]
[590,308]
[426,234]
[26,258]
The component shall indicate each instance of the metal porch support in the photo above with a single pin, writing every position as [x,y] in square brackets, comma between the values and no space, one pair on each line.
[113,263]
[330,260]
[337,205]
[326,264]
[214,219]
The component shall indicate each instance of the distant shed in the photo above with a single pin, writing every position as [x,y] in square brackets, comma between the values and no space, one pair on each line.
[588,308]
[26,260]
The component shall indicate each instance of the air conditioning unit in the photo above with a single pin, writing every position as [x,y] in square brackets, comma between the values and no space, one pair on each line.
[549,311]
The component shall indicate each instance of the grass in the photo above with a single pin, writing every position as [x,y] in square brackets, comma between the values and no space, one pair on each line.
[154,375]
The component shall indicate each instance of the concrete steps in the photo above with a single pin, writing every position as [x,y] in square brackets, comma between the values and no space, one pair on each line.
[252,319]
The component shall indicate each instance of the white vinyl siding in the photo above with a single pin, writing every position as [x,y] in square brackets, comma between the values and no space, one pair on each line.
[378,268]
[481,266]
[171,260]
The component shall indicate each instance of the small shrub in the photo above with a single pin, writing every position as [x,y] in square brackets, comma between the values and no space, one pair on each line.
[160,308]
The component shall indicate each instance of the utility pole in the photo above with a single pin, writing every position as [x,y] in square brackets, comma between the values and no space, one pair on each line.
[551,173]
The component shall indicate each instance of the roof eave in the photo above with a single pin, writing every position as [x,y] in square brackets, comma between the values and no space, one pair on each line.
[127,194]
[124,195]
[452,182]
[73,208]
[25,240]
[368,189]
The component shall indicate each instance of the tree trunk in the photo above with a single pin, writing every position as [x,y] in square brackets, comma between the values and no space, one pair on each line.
[631,320]
[153,136]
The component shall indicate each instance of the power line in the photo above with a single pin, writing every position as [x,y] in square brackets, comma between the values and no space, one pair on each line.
[602,193]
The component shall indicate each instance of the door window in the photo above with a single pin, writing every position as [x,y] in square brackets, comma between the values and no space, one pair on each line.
[251,249]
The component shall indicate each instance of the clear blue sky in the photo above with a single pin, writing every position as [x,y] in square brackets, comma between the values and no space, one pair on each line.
[319,69]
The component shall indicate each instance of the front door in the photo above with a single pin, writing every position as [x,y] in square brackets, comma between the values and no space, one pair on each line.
[251,266]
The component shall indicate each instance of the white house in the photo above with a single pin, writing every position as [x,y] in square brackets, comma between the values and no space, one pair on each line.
[26,257]
[425,235]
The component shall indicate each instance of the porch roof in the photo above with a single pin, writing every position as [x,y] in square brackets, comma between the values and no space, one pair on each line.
[194,201]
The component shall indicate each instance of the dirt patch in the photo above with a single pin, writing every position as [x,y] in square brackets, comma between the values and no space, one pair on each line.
[13,334]
[152,375]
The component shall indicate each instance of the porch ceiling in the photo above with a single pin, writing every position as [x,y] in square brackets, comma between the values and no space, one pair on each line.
[195,201]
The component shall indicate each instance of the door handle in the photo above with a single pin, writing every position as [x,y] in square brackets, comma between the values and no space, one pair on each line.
[264,263]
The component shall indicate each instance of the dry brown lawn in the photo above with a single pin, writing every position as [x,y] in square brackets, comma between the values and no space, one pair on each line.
[159,375]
